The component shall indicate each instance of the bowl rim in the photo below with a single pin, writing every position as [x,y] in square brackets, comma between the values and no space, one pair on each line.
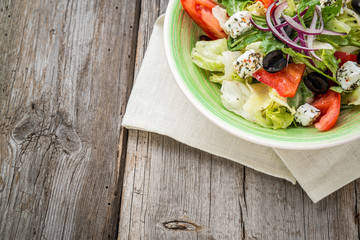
[226,126]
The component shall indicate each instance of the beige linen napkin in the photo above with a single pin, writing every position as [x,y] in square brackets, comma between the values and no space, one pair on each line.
[157,105]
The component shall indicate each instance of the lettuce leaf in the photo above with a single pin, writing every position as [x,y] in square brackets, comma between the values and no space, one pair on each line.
[352,98]
[290,10]
[251,36]
[214,56]
[337,26]
[268,42]
[257,103]
[329,12]
[330,60]
[298,57]
[208,55]
[309,14]
[303,95]
[335,41]
[234,96]
[256,9]
[352,20]
[275,117]
[233,6]
[229,74]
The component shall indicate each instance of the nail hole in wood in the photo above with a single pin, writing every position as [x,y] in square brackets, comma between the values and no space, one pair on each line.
[9,16]
[33,106]
[106,186]
[116,7]
[109,49]
[108,203]
[5,34]
[181,226]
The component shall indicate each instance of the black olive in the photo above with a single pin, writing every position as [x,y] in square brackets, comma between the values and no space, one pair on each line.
[274,61]
[316,82]
[356,5]
[358,58]
[204,38]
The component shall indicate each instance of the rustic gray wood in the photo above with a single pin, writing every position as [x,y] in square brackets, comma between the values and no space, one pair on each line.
[172,191]
[67,167]
[66,73]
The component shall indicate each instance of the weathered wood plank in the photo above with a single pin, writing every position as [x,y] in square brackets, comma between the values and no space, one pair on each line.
[64,83]
[172,191]
[150,10]
[333,217]
[274,209]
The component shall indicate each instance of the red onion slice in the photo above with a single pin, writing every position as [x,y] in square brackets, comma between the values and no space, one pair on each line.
[298,27]
[276,18]
[278,12]
[261,28]
[279,35]
[296,18]
[310,38]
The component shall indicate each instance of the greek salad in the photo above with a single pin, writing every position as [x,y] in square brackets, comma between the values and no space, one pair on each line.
[281,63]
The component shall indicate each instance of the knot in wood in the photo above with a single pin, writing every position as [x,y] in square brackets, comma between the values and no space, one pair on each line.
[181,226]
[68,139]
[26,127]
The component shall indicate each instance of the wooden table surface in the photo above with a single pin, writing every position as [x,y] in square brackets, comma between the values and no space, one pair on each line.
[68,170]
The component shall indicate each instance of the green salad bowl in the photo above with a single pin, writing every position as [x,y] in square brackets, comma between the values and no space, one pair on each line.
[180,35]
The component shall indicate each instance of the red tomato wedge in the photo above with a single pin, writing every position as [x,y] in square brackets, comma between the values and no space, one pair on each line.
[266,2]
[344,57]
[285,82]
[329,105]
[201,12]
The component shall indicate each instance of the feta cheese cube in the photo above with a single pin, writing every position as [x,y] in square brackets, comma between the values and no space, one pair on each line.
[248,63]
[348,75]
[307,114]
[238,23]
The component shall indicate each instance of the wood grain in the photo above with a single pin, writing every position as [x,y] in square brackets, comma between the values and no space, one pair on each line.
[172,191]
[64,82]
[66,71]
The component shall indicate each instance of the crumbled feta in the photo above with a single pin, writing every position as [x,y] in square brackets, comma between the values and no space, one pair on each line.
[348,75]
[248,63]
[306,114]
[325,3]
[238,23]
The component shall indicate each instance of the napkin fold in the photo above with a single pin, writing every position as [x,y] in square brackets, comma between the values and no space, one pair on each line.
[157,105]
